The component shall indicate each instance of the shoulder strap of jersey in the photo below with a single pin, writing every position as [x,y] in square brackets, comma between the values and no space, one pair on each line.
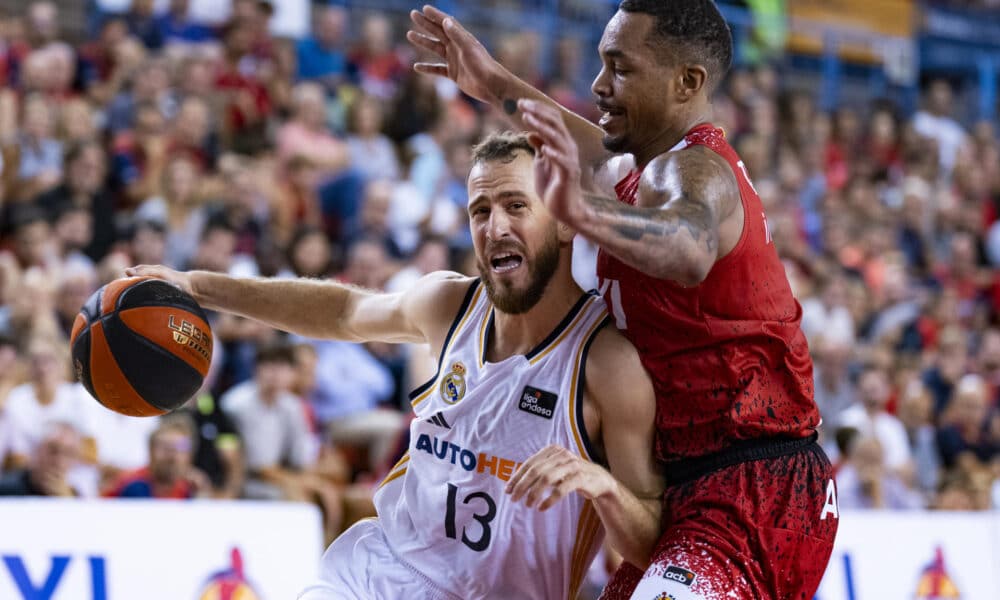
[461,318]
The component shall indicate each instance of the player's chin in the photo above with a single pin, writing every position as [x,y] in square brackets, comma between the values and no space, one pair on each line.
[617,143]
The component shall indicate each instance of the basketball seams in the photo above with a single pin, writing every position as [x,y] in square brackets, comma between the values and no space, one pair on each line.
[160,351]
[113,374]
[146,285]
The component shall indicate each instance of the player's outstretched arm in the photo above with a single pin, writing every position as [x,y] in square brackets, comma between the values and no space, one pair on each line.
[328,309]
[464,60]
[675,231]
[622,406]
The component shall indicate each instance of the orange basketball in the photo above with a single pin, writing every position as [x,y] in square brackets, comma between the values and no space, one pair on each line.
[141,346]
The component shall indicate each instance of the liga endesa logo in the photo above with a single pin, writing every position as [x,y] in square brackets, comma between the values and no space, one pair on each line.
[230,583]
[934,583]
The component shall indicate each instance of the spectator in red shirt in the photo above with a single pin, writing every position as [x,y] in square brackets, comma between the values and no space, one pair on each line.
[170,473]
[248,104]
[377,63]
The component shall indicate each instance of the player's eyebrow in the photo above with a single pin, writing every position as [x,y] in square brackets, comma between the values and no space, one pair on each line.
[612,53]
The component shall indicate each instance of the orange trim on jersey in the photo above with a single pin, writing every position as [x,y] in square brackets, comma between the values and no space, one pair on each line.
[451,340]
[392,477]
[565,332]
[573,396]
[587,526]
[393,471]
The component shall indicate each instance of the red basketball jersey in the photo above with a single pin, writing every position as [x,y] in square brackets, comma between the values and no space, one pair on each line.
[728,359]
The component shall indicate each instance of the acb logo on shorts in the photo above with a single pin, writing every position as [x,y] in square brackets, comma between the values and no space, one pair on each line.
[679,575]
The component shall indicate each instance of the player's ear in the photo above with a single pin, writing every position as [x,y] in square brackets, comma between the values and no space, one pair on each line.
[690,81]
[565,233]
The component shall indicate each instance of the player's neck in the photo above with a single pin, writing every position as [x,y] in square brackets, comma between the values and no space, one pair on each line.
[520,334]
[671,136]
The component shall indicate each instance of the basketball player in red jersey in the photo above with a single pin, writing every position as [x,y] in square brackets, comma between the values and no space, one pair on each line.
[689,271]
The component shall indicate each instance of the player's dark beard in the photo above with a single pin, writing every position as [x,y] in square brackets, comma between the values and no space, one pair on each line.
[515,302]
[615,144]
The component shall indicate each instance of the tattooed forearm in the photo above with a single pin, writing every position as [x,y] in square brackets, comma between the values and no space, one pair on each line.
[634,224]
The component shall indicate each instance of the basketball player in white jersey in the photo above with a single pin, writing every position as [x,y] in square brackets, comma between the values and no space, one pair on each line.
[533,438]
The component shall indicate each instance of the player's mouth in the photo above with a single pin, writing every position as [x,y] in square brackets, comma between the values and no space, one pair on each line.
[609,114]
[506,262]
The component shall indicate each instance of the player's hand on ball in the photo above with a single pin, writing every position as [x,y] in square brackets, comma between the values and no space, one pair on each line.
[555,472]
[181,280]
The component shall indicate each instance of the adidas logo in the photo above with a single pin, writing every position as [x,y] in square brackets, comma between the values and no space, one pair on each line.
[438,420]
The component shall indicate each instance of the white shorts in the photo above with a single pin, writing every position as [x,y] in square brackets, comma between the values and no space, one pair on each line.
[360,565]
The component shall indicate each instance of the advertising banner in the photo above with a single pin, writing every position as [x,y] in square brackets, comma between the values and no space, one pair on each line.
[156,550]
[863,27]
[914,556]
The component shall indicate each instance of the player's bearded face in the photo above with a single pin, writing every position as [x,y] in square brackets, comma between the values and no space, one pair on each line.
[519,291]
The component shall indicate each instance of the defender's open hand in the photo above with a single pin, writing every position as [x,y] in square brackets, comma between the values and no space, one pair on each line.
[465,60]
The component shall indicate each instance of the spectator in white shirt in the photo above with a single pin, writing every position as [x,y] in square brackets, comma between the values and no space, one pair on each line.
[935,122]
[872,420]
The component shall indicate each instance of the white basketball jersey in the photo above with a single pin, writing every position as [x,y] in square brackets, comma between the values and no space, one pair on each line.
[443,507]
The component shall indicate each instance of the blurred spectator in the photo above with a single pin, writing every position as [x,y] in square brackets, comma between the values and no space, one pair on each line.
[49,396]
[296,202]
[176,26]
[372,153]
[310,254]
[47,472]
[915,412]
[965,434]
[872,420]
[142,23]
[141,154]
[12,373]
[248,103]
[935,122]
[378,65]
[949,364]
[218,447]
[373,221]
[191,134]
[280,450]
[827,315]
[177,210]
[38,154]
[149,85]
[170,473]
[306,133]
[350,388]
[865,482]
[834,391]
[86,168]
[147,243]
[321,57]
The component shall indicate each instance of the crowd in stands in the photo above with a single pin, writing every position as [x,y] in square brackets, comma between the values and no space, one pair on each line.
[160,140]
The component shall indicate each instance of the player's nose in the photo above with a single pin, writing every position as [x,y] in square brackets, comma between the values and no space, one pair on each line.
[601,85]
[499,225]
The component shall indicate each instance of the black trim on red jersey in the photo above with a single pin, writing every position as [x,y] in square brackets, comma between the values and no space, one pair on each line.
[444,348]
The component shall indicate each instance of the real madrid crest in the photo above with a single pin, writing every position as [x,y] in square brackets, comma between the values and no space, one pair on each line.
[453,384]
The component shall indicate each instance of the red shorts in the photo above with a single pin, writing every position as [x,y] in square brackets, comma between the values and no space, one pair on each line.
[757,530]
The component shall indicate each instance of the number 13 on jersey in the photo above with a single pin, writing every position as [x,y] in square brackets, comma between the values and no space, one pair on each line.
[614,301]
